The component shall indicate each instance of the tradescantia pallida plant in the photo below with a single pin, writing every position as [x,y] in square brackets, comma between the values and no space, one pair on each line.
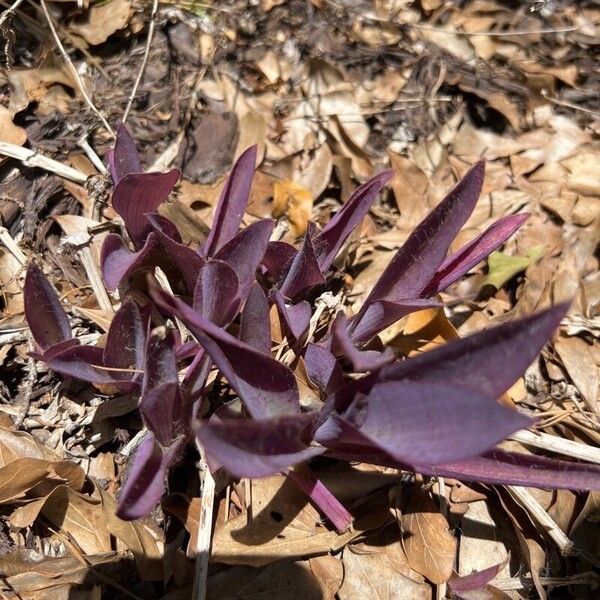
[436,414]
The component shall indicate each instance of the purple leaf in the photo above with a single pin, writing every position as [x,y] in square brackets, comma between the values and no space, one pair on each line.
[45,315]
[255,325]
[123,158]
[215,296]
[176,260]
[267,387]
[333,236]
[145,482]
[429,423]
[160,402]
[249,448]
[304,271]
[245,252]
[416,262]
[138,194]
[488,362]
[194,379]
[362,360]
[455,266]
[162,224]
[322,368]
[323,498]
[232,203]
[125,342]
[381,314]
[277,259]
[295,317]
[475,581]
[512,468]
[55,350]
[81,362]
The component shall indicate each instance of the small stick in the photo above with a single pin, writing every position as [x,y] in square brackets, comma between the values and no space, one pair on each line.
[203,542]
[537,513]
[84,253]
[31,158]
[558,445]
[138,80]
[73,70]
[12,247]
[91,154]
[95,279]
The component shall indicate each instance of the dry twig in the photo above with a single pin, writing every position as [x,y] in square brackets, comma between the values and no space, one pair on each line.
[73,70]
[144,61]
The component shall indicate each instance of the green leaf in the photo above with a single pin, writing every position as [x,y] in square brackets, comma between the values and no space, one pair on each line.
[503,268]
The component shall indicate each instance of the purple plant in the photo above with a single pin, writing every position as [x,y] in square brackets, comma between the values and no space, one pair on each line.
[437,414]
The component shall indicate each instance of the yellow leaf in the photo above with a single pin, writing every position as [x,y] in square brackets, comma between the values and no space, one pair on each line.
[503,267]
[295,201]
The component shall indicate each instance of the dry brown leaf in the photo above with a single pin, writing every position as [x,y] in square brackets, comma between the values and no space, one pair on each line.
[452,43]
[252,130]
[28,474]
[9,132]
[191,226]
[10,271]
[285,580]
[576,355]
[32,85]
[295,201]
[410,186]
[481,544]
[102,20]
[188,512]
[375,33]
[20,444]
[78,515]
[38,577]
[283,525]
[329,572]
[314,172]
[583,176]
[430,547]
[379,570]
[145,543]
[532,552]
[204,161]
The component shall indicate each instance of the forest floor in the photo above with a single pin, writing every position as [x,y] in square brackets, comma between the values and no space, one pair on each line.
[332,91]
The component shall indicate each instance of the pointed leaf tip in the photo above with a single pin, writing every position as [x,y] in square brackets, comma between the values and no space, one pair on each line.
[44,313]
[232,203]
[124,158]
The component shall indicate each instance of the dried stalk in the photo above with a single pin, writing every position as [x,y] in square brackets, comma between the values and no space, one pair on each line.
[73,70]
[12,246]
[138,79]
[203,541]
[31,158]
[537,513]
[558,445]
[81,244]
